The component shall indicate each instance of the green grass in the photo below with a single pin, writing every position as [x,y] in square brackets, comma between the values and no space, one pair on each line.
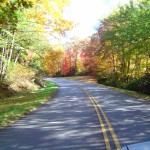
[21,104]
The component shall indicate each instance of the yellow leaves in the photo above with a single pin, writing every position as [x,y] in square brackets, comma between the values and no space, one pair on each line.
[38,16]
[57,15]
[34,14]
[53,59]
[80,66]
[62,26]
[3,3]
[34,2]
[108,43]
[48,14]
[39,29]
[61,3]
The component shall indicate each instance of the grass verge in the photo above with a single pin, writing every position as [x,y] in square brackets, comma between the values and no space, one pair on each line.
[21,104]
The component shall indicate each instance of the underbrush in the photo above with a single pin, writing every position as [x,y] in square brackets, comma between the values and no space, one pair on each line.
[21,104]
[141,84]
[20,78]
[4,92]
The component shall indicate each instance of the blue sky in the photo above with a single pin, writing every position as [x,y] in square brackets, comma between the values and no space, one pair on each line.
[87,13]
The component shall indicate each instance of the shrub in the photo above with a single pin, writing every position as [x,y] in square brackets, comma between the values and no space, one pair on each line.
[140,85]
[58,74]
[111,79]
[20,78]
[102,80]
[39,79]
[83,73]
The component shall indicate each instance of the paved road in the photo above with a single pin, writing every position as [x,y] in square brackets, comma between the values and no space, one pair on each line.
[70,121]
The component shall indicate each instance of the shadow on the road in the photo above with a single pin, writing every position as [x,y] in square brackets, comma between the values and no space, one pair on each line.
[129,116]
[68,122]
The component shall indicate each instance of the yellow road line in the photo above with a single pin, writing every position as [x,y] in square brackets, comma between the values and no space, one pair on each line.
[114,136]
[101,122]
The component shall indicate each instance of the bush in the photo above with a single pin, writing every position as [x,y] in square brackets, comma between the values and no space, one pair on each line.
[111,79]
[83,73]
[39,79]
[4,91]
[20,78]
[102,80]
[58,74]
[140,85]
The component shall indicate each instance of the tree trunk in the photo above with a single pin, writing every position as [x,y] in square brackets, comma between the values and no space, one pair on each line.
[3,57]
[11,49]
[17,56]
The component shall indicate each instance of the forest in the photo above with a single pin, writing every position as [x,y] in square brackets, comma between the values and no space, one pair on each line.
[117,55]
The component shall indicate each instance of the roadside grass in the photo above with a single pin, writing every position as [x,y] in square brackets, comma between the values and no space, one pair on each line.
[12,108]
[92,80]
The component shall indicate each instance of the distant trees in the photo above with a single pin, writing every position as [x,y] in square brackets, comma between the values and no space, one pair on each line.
[53,60]
[69,59]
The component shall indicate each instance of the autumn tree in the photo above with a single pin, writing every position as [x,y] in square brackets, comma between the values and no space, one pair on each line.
[24,27]
[73,58]
[89,54]
[125,36]
[53,60]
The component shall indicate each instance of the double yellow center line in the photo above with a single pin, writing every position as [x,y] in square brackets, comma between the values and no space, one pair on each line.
[99,110]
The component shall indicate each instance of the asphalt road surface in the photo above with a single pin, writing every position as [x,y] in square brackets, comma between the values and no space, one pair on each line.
[81,116]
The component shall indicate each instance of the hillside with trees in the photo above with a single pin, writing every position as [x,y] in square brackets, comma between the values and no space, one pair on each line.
[24,28]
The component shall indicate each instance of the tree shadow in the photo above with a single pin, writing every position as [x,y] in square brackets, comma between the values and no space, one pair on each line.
[68,121]
[129,116]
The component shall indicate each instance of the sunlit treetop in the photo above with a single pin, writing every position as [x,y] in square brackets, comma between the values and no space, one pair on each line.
[47,13]
[50,13]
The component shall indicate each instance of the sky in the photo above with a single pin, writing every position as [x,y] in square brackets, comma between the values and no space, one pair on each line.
[87,14]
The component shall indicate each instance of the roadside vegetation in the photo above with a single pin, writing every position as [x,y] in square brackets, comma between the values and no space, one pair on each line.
[117,55]
[25,26]
[20,104]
